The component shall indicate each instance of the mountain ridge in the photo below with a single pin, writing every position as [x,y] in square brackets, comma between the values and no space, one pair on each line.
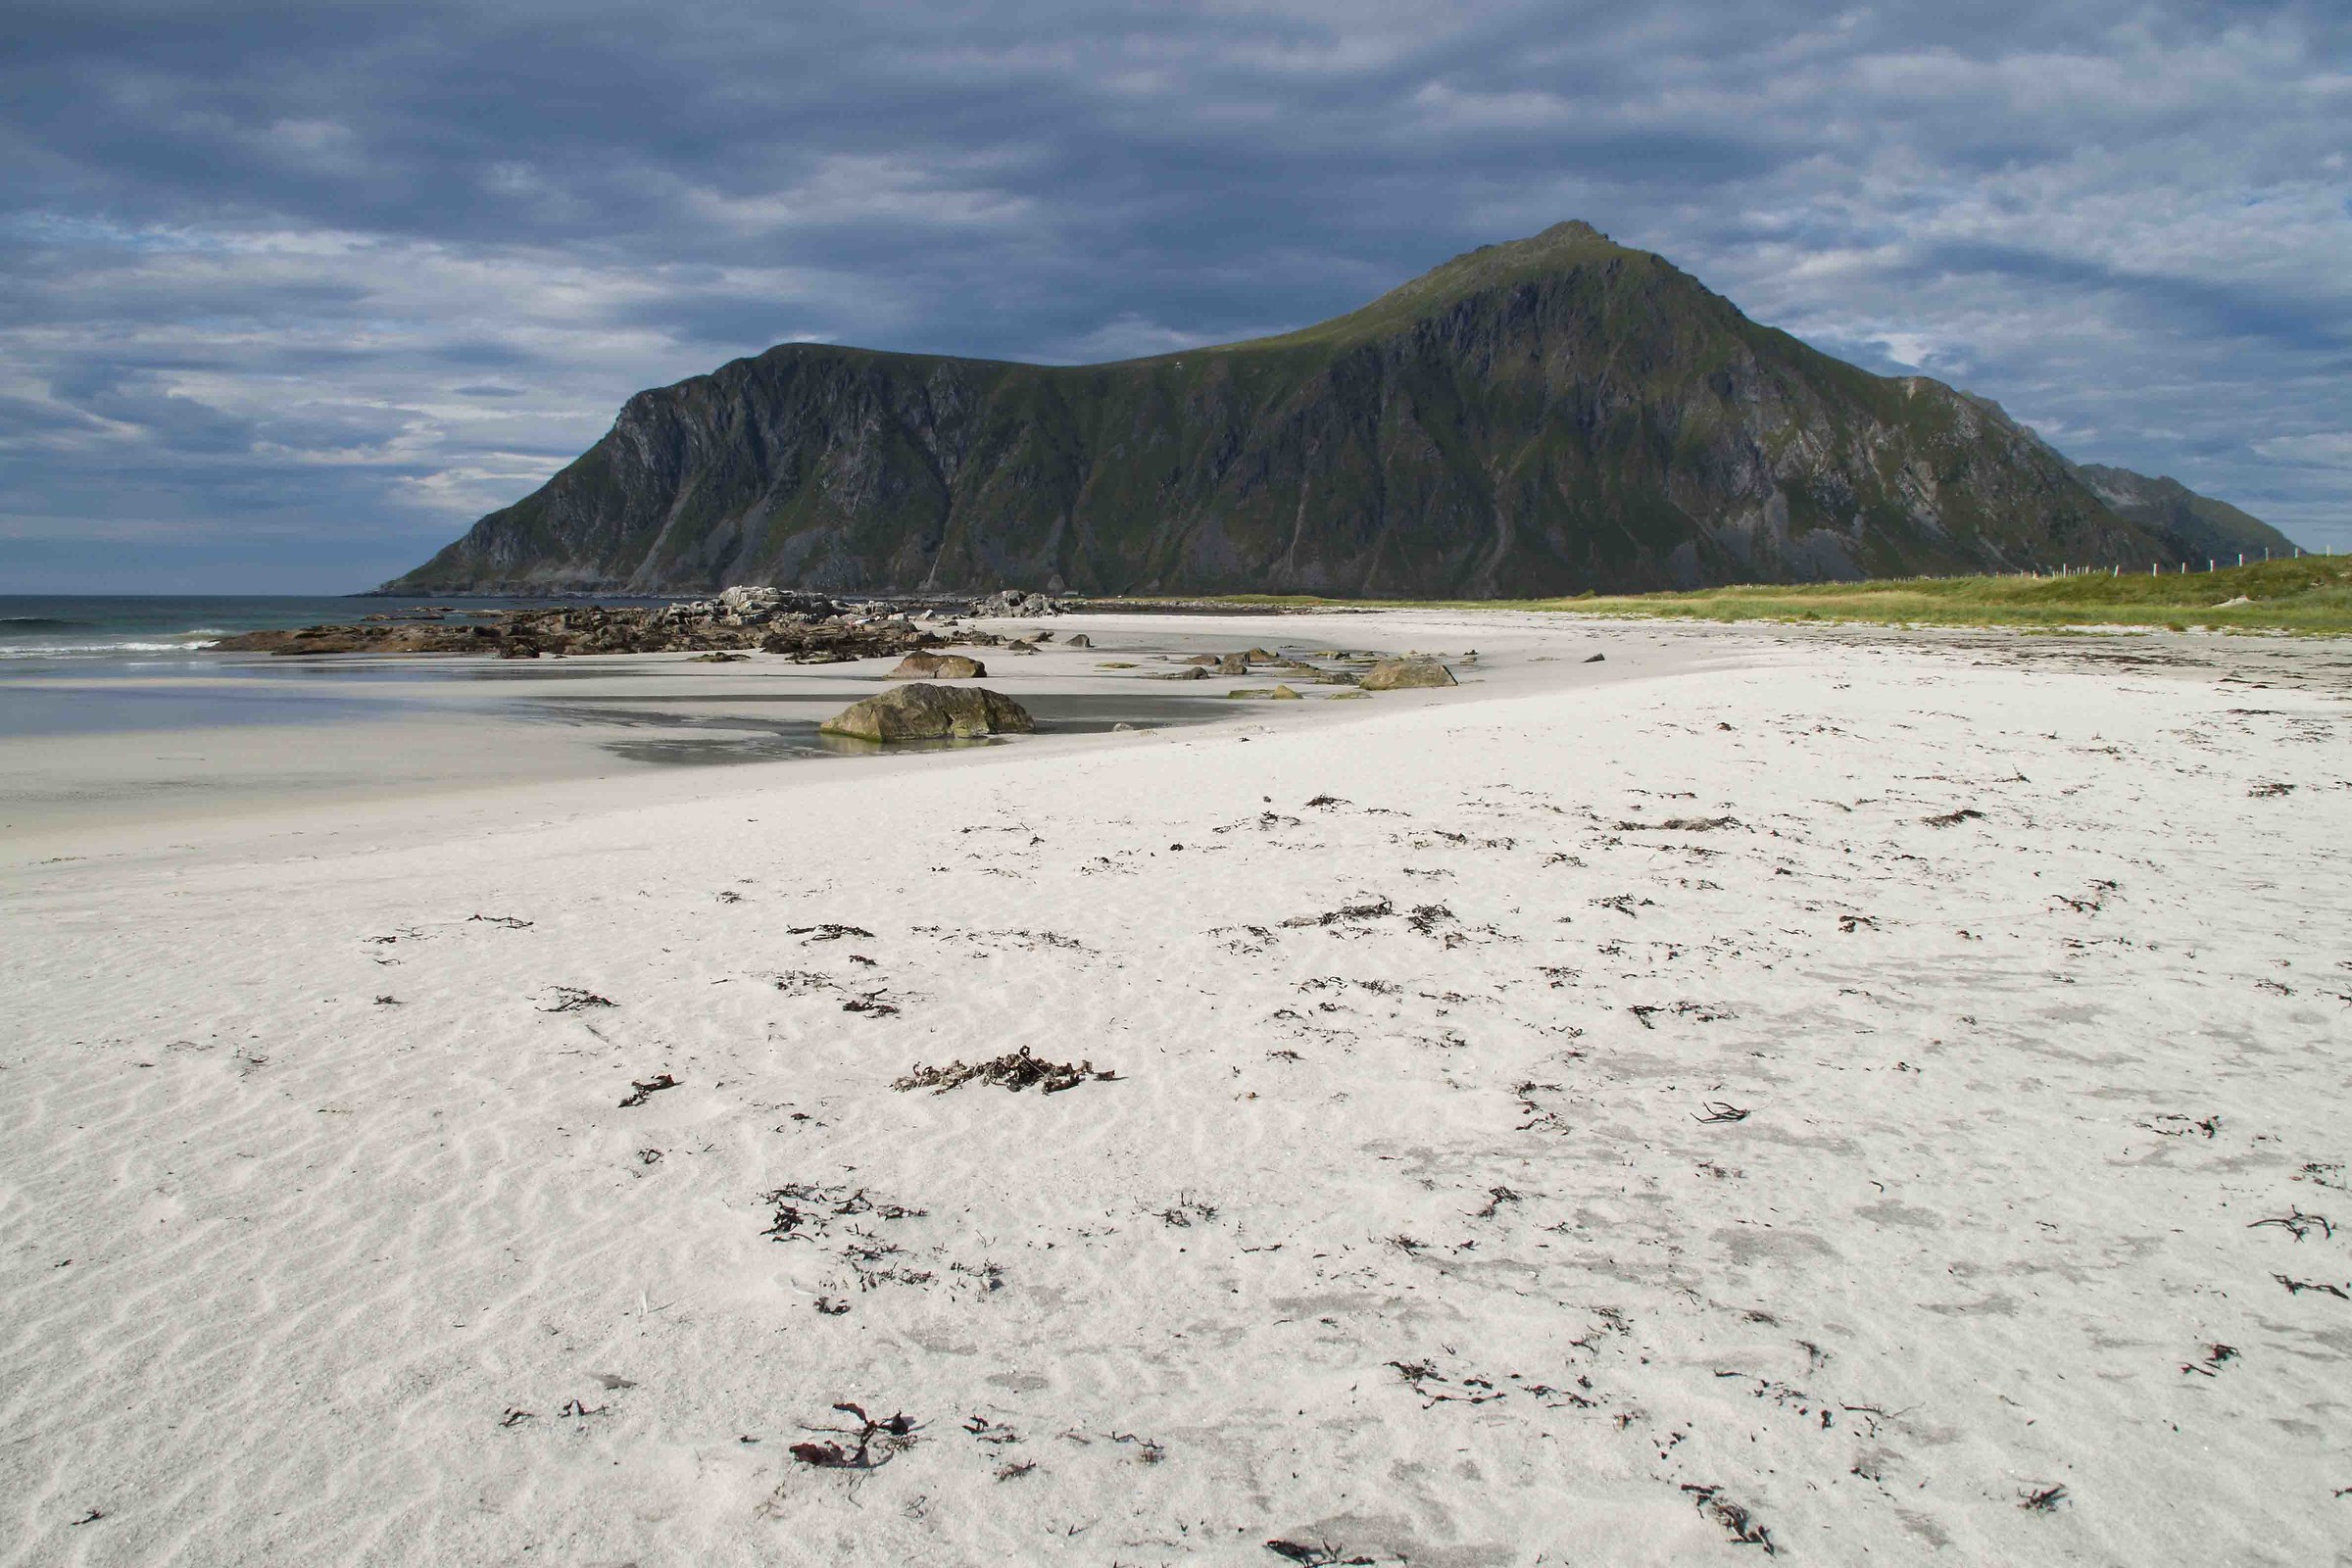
[2199,523]
[1540,417]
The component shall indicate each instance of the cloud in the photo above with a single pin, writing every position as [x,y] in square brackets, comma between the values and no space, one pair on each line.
[330,282]
[2332,449]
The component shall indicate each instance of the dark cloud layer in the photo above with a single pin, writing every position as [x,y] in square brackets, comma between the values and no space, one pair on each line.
[289,294]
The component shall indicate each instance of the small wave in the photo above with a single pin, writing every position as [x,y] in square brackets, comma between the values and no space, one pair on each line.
[17,625]
[86,650]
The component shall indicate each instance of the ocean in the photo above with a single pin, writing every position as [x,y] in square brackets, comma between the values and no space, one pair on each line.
[48,626]
[87,664]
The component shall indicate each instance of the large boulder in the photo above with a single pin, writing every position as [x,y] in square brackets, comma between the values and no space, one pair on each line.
[938,666]
[926,712]
[1402,674]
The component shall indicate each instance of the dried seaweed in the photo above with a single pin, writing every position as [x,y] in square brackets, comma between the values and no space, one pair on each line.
[1346,914]
[1016,1072]
[1734,1518]
[827,931]
[572,998]
[1325,1555]
[1419,1375]
[643,1088]
[2298,1224]
[2172,1124]
[877,1443]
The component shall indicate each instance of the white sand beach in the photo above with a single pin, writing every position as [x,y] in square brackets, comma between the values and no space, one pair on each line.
[1875,1097]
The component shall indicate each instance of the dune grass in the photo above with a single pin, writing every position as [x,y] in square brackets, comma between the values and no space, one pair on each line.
[2310,594]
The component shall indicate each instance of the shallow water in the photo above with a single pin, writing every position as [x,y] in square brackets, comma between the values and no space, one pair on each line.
[678,735]
[158,738]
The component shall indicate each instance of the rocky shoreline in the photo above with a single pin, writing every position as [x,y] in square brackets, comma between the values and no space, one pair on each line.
[808,628]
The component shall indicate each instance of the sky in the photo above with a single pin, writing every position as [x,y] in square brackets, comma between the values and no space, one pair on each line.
[290,294]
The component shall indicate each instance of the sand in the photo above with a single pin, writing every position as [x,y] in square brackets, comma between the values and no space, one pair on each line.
[1856,1092]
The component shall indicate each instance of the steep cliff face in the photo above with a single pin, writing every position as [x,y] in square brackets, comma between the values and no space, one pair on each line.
[1541,418]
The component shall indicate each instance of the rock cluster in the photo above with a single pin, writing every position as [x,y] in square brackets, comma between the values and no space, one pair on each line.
[800,626]
[744,606]
[1013,602]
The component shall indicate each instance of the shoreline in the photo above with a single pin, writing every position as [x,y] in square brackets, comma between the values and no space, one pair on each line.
[487,733]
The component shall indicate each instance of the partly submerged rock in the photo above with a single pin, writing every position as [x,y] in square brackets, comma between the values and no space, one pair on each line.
[1233,664]
[1082,640]
[1283,694]
[938,666]
[1194,673]
[926,712]
[1402,674]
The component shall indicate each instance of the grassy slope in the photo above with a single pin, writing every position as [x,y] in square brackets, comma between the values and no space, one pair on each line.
[2312,595]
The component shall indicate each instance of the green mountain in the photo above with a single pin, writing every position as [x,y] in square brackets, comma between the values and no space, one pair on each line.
[1533,418]
[2201,528]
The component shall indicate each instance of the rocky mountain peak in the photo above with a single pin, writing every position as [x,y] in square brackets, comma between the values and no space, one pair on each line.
[1543,416]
